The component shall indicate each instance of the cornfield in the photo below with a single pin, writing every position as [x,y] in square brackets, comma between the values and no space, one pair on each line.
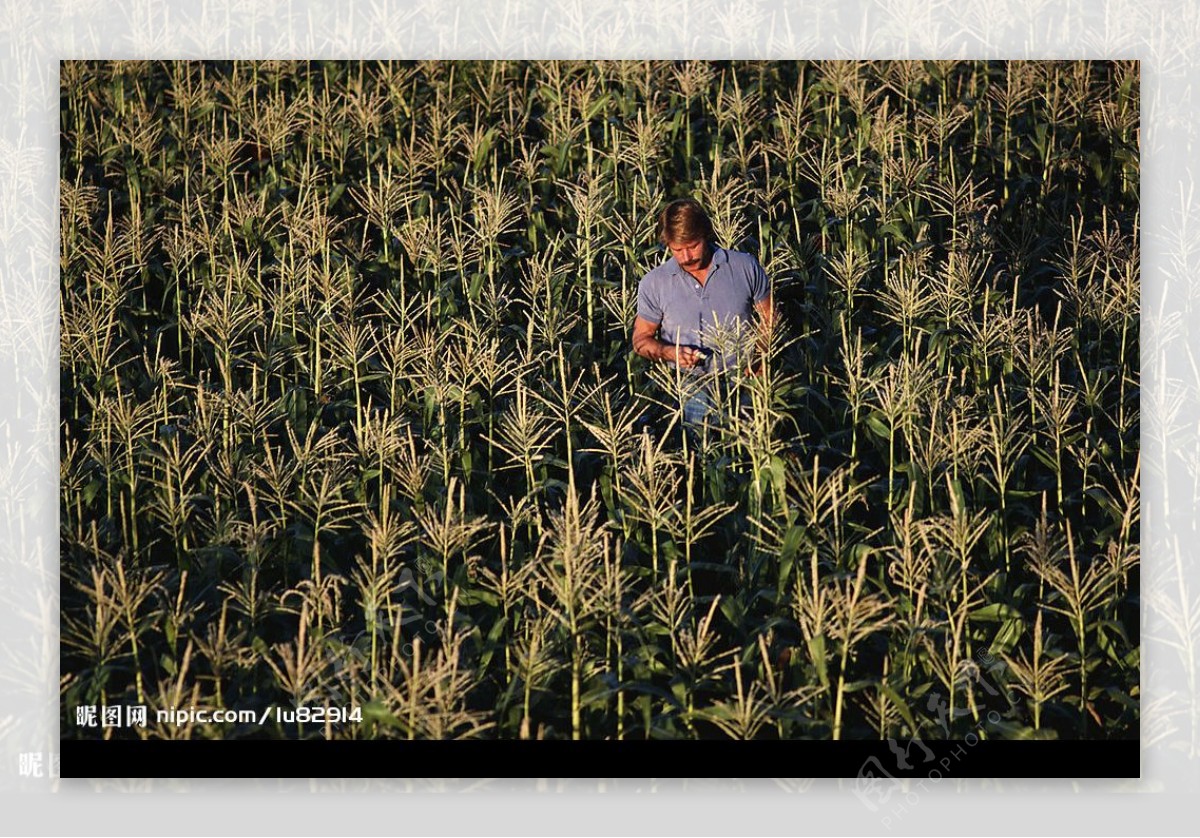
[350,417]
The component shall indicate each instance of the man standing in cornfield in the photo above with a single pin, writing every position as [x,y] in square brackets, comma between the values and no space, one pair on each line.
[695,309]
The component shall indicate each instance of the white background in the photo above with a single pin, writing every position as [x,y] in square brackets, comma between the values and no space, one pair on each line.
[1165,36]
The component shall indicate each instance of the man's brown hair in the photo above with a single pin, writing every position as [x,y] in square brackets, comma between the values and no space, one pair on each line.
[684,220]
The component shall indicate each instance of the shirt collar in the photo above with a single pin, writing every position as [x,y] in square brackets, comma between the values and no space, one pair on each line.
[719,257]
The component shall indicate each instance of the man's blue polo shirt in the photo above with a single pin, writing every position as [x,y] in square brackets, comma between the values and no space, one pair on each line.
[691,314]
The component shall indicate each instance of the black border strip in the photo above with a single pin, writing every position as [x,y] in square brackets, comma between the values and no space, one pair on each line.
[862,760]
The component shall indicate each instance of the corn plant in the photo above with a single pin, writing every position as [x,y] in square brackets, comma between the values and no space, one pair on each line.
[349,411]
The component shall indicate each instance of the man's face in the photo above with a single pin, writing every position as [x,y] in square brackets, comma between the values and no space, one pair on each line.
[690,255]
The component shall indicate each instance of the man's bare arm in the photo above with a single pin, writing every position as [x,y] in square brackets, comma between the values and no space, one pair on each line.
[766,322]
[647,344]
[645,340]
[766,318]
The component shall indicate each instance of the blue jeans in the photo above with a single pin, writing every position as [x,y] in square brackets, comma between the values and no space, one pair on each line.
[704,413]
[699,409]
[705,407]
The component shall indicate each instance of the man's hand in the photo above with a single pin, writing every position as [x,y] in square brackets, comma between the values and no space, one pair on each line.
[685,356]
